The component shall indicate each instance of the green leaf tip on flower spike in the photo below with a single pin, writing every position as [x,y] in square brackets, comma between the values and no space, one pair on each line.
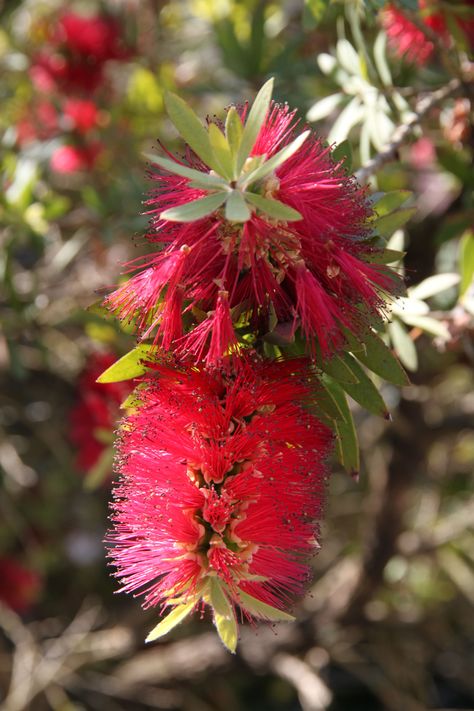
[272,163]
[260,609]
[274,208]
[205,181]
[224,615]
[177,615]
[196,209]
[190,128]
[130,366]
[254,123]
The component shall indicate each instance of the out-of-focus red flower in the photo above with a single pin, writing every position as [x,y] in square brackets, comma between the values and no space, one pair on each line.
[97,38]
[316,273]
[73,159]
[41,123]
[410,42]
[82,113]
[79,48]
[422,153]
[222,484]
[97,410]
[19,585]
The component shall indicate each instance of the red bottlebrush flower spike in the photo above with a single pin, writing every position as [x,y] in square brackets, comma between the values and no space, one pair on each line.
[281,229]
[222,487]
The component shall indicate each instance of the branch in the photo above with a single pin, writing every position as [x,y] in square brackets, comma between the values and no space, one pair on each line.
[400,135]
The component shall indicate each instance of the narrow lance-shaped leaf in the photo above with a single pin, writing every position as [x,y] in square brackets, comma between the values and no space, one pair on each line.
[196,209]
[257,608]
[131,365]
[204,179]
[254,122]
[404,346]
[388,224]
[190,128]
[236,209]
[380,360]
[466,262]
[221,150]
[347,446]
[343,152]
[272,163]
[274,208]
[233,133]
[177,615]
[364,391]
[224,615]
[388,202]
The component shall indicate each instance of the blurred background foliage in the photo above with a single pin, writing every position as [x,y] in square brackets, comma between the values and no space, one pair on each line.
[388,621]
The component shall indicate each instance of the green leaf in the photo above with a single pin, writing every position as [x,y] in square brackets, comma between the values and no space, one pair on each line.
[343,152]
[260,609]
[272,163]
[190,128]
[275,208]
[224,616]
[339,370]
[380,360]
[129,366]
[324,107]
[433,285]
[347,446]
[96,476]
[466,261]
[221,151]
[428,324]
[204,179]
[177,615]
[254,122]
[236,209]
[364,391]
[317,8]
[352,114]
[388,224]
[403,345]
[387,256]
[327,402]
[233,132]
[389,202]
[380,57]
[196,209]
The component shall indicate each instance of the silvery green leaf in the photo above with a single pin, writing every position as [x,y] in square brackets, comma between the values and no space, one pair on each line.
[428,324]
[196,209]
[177,615]
[380,57]
[272,163]
[348,57]
[236,209]
[254,122]
[326,62]
[324,107]
[381,127]
[274,208]
[404,346]
[233,131]
[351,115]
[433,285]
[409,305]
[397,241]
[221,150]
[190,128]
[204,179]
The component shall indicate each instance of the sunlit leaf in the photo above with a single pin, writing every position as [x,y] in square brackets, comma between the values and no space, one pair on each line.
[129,366]
[260,609]
[236,209]
[272,163]
[380,360]
[190,128]
[466,262]
[388,224]
[324,107]
[404,346]
[433,285]
[389,202]
[204,179]
[221,151]
[364,391]
[274,208]
[224,615]
[177,615]
[196,209]
[254,122]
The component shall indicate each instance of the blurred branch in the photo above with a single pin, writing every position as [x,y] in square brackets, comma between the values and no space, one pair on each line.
[313,693]
[404,131]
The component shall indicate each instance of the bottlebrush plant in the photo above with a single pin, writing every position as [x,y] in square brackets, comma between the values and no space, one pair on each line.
[260,309]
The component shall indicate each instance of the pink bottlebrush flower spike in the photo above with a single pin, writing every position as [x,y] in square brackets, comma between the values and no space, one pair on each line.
[222,486]
[262,214]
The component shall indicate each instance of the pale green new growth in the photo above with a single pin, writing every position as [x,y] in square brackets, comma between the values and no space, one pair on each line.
[232,170]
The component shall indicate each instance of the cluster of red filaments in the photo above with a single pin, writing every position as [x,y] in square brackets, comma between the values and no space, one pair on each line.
[317,274]
[222,477]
